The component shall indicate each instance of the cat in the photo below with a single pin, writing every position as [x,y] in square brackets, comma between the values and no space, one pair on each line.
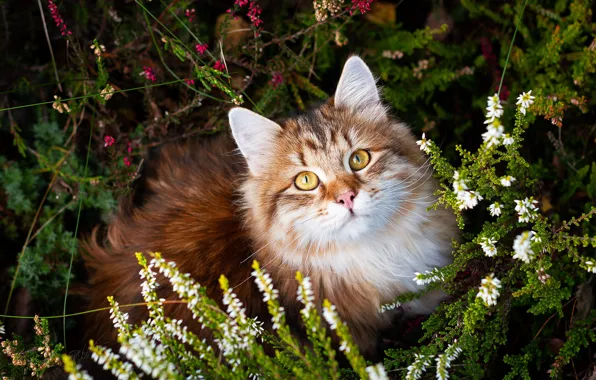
[339,193]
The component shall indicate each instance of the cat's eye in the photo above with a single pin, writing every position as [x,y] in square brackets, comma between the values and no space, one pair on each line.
[359,160]
[306,181]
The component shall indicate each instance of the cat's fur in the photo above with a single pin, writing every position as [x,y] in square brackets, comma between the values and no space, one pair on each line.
[213,212]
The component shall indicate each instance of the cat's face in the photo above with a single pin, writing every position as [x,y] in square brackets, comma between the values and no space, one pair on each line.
[337,174]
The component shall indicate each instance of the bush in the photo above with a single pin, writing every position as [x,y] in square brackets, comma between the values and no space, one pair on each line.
[522,277]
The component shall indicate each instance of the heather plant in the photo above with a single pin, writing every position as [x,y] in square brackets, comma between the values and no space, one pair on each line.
[501,95]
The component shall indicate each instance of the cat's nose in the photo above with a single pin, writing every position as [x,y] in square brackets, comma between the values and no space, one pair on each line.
[347,199]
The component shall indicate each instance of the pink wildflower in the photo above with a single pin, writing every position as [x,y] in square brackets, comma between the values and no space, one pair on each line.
[109,141]
[219,66]
[201,48]
[241,3]
[149,73]
[276,79]
[362,5]
[129,147]
[190,14]
[58,19]
[126,161]
[254,13]
[190,82]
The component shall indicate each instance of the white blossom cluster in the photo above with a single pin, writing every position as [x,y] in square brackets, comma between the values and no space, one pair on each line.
[489,289]
[306,296]
[494,130]
[507,180]
[590,267]
[433,276]
[106,358]
[389,306]
[526,209]
[466,198]
[119,319]
[265,284]
[147,354]
[488,246]
[376,372]
[524,101]
[416,369]
[330,315]
[522,246]
[80,374]
[495,209]
[444,360]
[424,144]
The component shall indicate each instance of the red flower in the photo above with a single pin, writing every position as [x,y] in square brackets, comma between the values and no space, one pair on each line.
[362,5]
[126,161]
[254,13]
[190,14]
[219,66]
[129,147]
[276,79]
[109,141]
[58,19]
[149,73]
[190,82]
[241,3]
[201,48]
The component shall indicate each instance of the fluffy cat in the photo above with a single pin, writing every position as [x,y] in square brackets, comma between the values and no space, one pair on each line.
[339,193]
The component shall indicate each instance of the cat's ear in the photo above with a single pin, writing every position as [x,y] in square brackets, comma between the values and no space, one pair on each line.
[255,137]
[357,88]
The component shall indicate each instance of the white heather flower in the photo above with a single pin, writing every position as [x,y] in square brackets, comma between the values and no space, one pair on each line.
[507,139]
[59,106]
[459,185]
[524,101]
[306,296]
[468,199]
[424,143]
[330,316]
[522,246]
[488,246]
[433,276]
[489,289]
[376,372]
[507,180]
[526,209]
[97,50]
[416,369]
[590,267]
[265,284]
[493,134]
[535,238]
[495,209]
[390,306]
[107,92]
[492,100]
[494,111]
[444,360]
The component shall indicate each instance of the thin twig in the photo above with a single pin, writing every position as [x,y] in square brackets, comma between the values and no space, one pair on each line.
[45,29]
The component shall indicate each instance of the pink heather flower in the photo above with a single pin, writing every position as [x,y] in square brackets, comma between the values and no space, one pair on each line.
[241,3]
[254,13]
[201,48]
[190,14]
[149,73]
[109,141]
[190,82]
[219,66]
[126,161]
[362,5]
[276,79]
[58,19]
[129,147]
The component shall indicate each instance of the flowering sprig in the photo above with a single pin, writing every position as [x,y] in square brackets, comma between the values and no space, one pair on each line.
[347,344]
[488,246]
[444,360]
[424,144]
[526,209]
[522,246]
[376,372]
[58,19]
[74,370]
[489,290]
[111,361]
[466,199]
[434,275]
[495,209]
[59,106]
[416,369]
[524,101]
